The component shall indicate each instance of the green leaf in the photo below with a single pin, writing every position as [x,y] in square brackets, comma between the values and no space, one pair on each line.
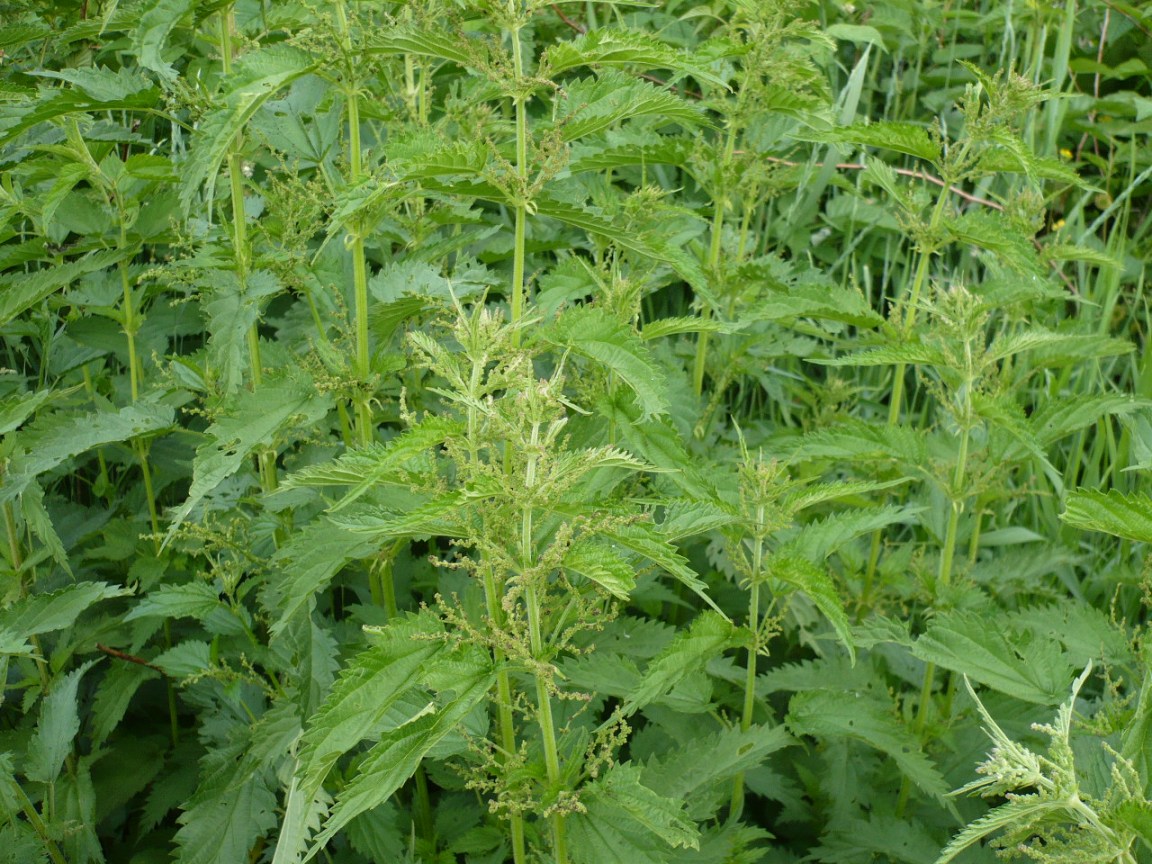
[157,21]
[590,105]
[687,774]
[589,331]
[257,77]
[232,311]
[608,46]
[887,135]
[625,822]
[428,42]
[709,635]
[1022,665]
[1113,512]
[825,714]
[645,541]
[101,83]
[191,600]
[598,562]
[59,722]
[366,468]
[815,582]
[1015,814]
[818,539]
[51,441]
[253,421]
[304,815]
[233,807]
[395,757]
[368,687]
[1056,418]
[21,291]
[308,562]
[43,613]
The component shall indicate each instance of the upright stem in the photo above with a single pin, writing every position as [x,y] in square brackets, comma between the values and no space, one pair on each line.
[536,644]
[746,715]
[363,367]
[714,249]
[266,461]
[493,594]
[518,250]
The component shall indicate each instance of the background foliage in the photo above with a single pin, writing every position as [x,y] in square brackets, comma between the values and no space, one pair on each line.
[466,430]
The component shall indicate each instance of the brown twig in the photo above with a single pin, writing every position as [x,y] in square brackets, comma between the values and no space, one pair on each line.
[575,25]
[130,658]
[921,175]
[904,172]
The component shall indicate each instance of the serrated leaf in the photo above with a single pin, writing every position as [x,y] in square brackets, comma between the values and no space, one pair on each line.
[1028,668]
[818,539]
[366,468]
[1017,812]
[21,291]
[593,104]
[686,774]
[186,660]
[395,757]
[856,439]
[888,135]
[591,332]
[428,42]
[51,441]
[1056,418]
[257,77]
[232,311]
[58,724]
[645,541]
[608,46]
[191,600]
[1113,512]
[101,83]
[824,714]
[254,420]
[304,815]
[233,807]
[439,517]
[157,20]
[909,353]
[628,823]
[709,635]
[43,613]
[815,582]
[308,562]
[368,687]
[600,563]
[662,327]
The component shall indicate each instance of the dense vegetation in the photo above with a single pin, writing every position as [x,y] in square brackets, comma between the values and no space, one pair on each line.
[484,431]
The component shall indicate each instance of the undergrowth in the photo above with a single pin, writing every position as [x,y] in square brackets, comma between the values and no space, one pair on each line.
[482,431]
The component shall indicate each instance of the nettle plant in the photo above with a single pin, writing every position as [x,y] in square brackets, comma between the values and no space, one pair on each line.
[450,431]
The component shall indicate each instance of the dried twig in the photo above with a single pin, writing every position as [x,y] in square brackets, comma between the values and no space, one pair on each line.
[130,658]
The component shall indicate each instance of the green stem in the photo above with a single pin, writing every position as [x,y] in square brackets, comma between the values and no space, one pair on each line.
[33,817]
[363,367]
[714,249]
[493,594]
[546,722]
[518,247]
[737,806]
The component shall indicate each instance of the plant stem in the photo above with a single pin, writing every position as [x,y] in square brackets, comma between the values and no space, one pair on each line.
[546,722]
[518,243]
[737,805]
[715,247]
[493,594]
[363,365]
